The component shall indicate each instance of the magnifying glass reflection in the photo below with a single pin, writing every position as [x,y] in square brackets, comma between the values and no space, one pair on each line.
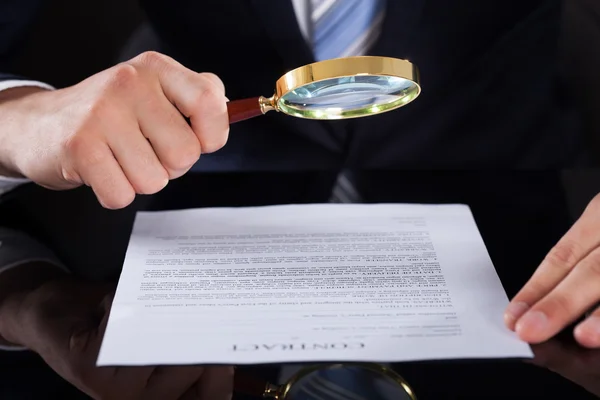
[331,382]
[340,88]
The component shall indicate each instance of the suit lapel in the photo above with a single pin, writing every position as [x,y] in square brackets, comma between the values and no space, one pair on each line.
[398,30]
[278,18]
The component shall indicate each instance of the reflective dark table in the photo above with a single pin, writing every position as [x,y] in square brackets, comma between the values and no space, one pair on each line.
[520,216]
[567,373]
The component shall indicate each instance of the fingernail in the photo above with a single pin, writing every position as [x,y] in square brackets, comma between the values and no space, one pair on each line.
[589,331]
[514,311]
[533,323]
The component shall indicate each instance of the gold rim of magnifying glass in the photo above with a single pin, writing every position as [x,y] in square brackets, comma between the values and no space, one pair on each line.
[341,68]
[280,392]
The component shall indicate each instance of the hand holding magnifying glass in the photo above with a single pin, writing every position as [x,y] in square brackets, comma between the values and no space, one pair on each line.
[335,89]
[120,132]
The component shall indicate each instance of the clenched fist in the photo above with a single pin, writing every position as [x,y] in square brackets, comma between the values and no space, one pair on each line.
[121,132]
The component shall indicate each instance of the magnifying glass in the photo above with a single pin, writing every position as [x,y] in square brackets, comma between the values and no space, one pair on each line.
[340,88]
[330,382]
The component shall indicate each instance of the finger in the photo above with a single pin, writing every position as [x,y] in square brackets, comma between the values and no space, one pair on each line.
[171,383]
[215,384]
[216,81]
[98,168]
[572,297]
[572,248]
[587,333]
[210,117]
[138,160]
[196,95]
[173,140]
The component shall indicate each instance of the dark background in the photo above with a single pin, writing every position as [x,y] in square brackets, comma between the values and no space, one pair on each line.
[73,39]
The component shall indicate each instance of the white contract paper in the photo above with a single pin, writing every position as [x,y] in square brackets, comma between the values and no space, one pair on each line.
[307,283]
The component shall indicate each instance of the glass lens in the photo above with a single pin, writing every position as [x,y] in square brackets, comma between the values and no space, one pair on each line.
[348,97]
[347,383]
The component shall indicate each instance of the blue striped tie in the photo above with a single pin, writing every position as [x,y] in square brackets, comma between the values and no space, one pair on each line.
[344,28]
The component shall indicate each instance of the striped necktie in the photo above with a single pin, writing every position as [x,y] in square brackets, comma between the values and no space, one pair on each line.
[345,383]
[344,28]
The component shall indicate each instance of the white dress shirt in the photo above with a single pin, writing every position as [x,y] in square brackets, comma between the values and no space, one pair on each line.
[302,9]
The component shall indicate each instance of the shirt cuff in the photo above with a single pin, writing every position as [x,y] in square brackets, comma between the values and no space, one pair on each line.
[17,249]
[15,83]
[7,184]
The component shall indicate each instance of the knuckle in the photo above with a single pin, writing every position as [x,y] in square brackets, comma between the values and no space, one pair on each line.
[183,158]
[84,151]
[563,255]
[559,304]
[70,175]
[534,290]
[214,142]
[208,99]
[99,108]
[92,156]
[123,77]
[151,59]
[212,128]
[153,185]
[213,80]
[191,153]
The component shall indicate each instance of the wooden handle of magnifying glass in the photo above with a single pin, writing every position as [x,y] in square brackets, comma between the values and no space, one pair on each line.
[241,110]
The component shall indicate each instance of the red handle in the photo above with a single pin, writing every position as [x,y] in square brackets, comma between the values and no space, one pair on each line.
[241,110]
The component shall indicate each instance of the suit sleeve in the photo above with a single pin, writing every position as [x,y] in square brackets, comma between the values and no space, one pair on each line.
[18,248]
[16,21]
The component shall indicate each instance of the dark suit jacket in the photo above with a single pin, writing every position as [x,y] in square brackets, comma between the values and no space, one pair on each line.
[491,97]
